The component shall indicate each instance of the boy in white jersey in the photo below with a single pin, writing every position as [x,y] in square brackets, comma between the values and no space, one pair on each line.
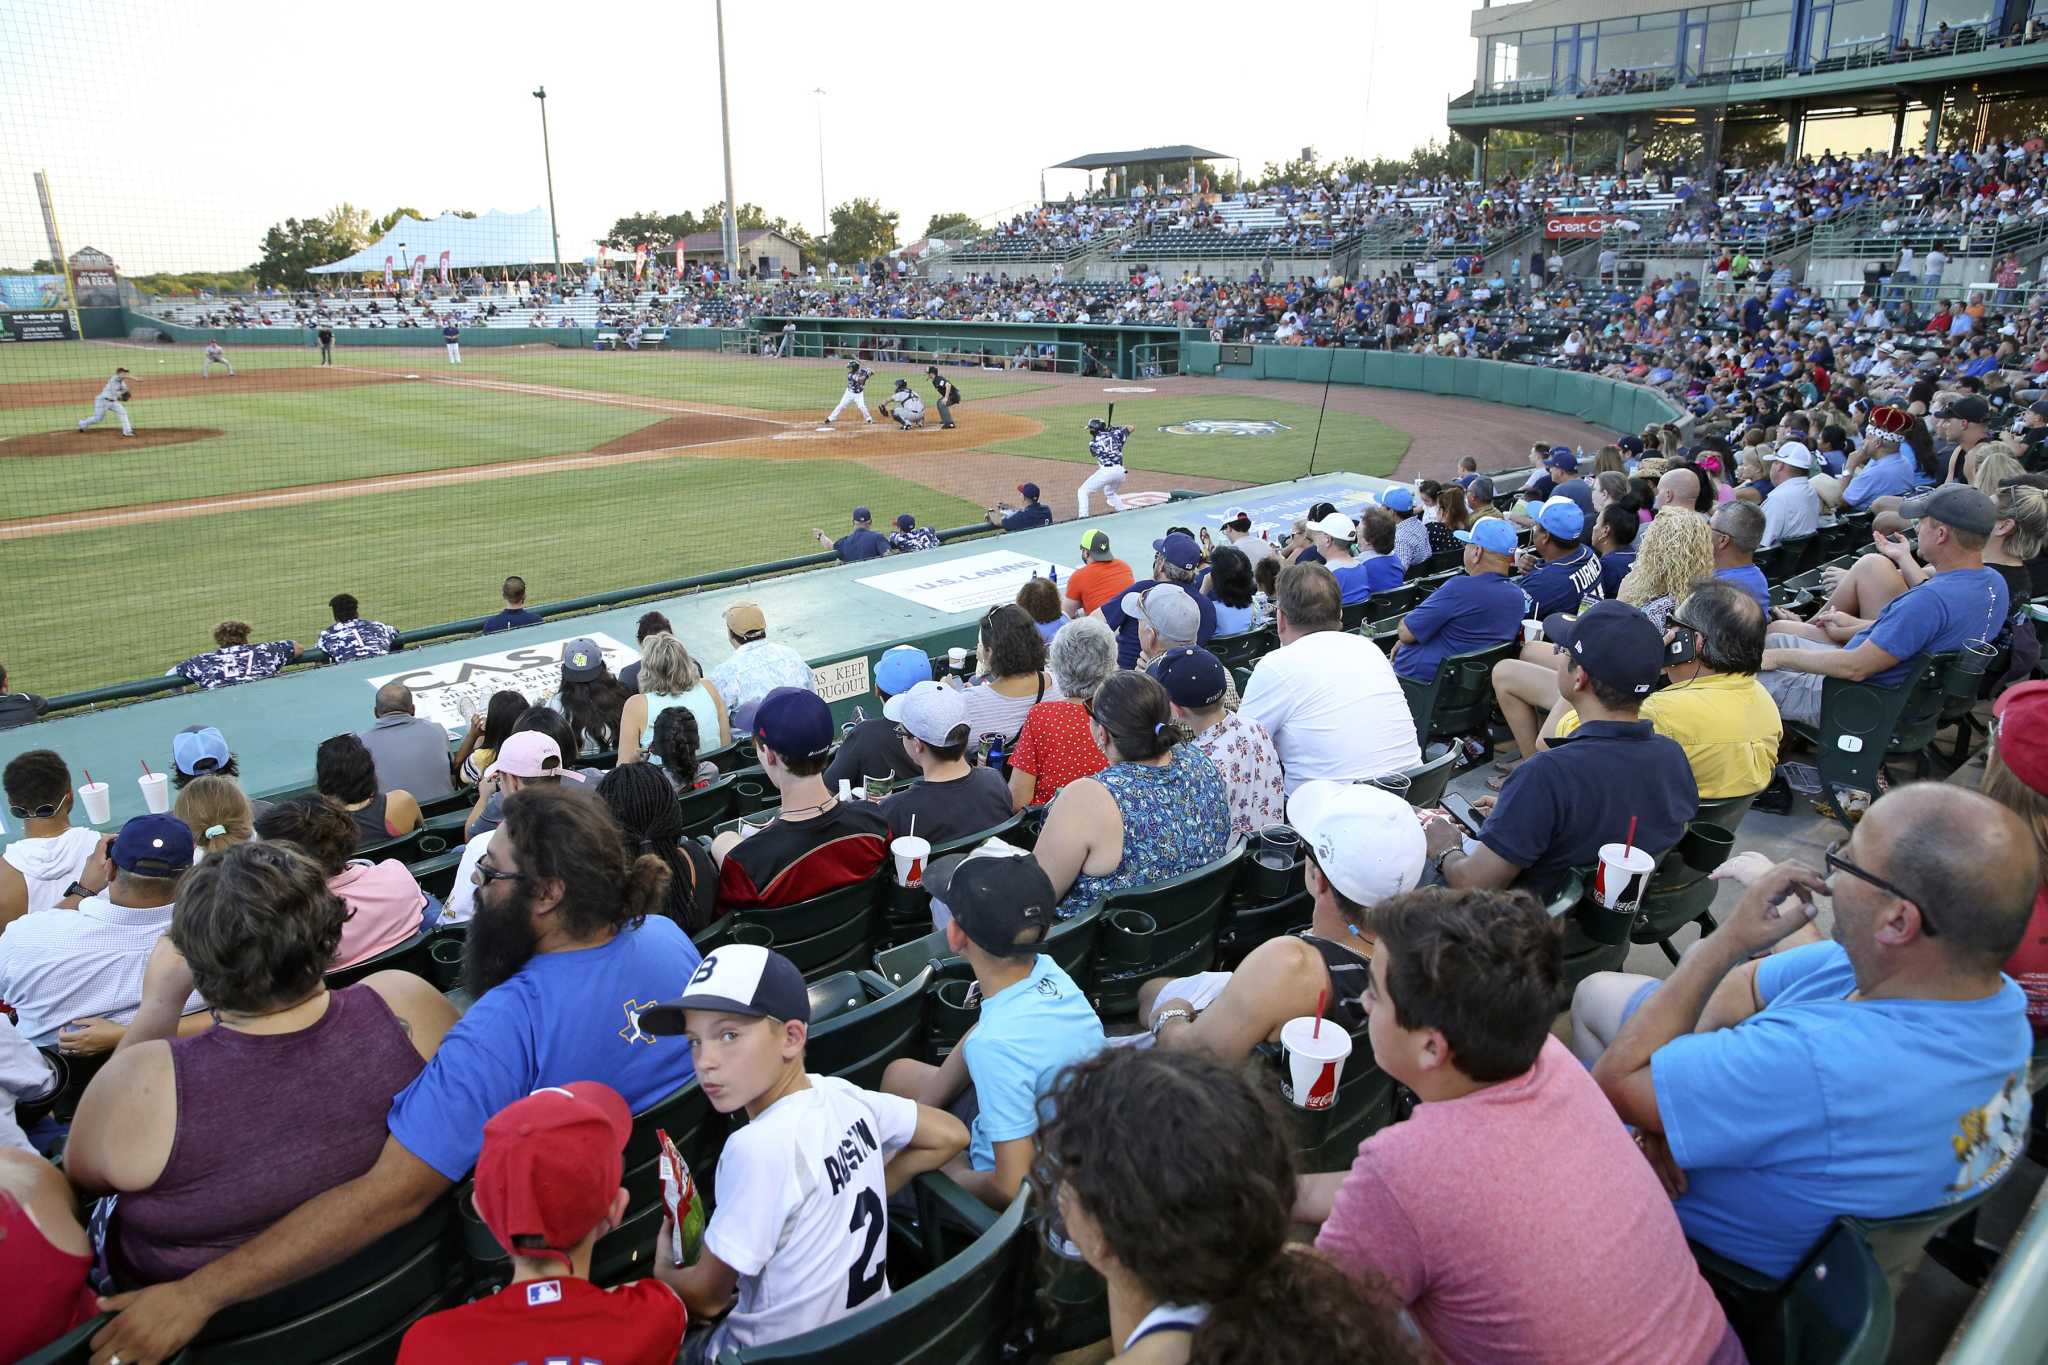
[799,1237]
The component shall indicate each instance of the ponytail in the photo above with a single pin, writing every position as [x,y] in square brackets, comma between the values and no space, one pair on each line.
[1136,712]
[1299,1308]
[651,820]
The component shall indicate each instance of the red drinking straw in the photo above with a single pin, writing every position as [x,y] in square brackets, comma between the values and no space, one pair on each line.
[145,767]
[1322,999]
[88,777]
[1631,845]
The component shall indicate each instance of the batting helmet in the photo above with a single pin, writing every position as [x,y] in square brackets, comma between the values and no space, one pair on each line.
[852,365]
[903,383]
[1097,424]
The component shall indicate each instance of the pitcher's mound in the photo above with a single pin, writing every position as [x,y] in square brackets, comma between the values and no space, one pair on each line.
[101,440]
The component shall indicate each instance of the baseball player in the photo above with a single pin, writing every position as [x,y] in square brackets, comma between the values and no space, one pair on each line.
[452,335]
[856,382]
[947,394]
[326,335]
[1106,444]
[905,406]
[114,394]
[215,356]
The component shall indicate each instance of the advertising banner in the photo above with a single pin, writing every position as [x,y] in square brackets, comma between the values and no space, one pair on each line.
[1559,225]
[39,326]
[31,291]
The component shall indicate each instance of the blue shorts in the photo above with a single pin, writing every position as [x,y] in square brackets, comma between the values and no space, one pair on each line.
[1635,1002]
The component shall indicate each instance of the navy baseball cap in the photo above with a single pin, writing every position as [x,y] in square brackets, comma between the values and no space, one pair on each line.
[1192,676]
[1398,500]
[1613,642]
[795,722]
[199,749]
[1005,905]
[1561,458]
[1563,518]
[1632,445]
[863,515]
[1179,550]
[737,978]
[1491,534]
[1029,490]
[902,668]
[904,521]
[154,846]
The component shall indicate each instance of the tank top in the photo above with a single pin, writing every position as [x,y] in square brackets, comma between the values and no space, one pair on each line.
[697,702]
[1350,977]
[1167,1317]
[46,1288]
[1176,818]
[236,1168]
[370,824]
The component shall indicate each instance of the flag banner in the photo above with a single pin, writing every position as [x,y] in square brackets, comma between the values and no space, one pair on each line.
[444,267]
[419,271]
[387,272]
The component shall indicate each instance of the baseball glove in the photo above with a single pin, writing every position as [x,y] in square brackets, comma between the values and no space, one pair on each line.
[124,395]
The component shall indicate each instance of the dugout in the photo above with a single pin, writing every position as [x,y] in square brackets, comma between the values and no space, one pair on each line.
[1115,350]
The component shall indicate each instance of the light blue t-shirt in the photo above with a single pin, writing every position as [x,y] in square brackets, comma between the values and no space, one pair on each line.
[1894,474]
[1028,1031]
[1819,1106]
[1940,616]
[1751,580]
[562,1017]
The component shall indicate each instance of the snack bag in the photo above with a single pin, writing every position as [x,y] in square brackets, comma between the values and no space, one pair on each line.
[685,1209]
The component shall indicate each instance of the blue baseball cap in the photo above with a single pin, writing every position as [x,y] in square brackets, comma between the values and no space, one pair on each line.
[154,846]
[863,515]
[1179,550]
[1029,490]
[794,722]
[200,749]
[1193,677]
[1562,458]
[1563,518]
[1398,500]
[1491,534]
[902,668]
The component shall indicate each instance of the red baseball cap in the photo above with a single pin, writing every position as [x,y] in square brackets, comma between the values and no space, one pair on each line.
[550,1165]
[2022,740]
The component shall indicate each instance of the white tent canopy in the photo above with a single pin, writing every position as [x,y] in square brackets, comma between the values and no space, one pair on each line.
[491,240]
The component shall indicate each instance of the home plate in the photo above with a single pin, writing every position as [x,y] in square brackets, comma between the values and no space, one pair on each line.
[1146,499]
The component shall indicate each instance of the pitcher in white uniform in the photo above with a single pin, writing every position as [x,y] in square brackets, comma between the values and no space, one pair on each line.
[112,395]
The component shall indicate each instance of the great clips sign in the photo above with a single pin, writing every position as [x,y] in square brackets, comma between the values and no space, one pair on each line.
[1577,224]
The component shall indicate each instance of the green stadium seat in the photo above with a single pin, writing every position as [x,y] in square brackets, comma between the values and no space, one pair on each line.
[414,955]
[1164,930]
[1863,725]
[858,1043]
[908,909]
[1244,649]
[1247,926]
[1327,1139]
[1071,944]
[1426,782]
[1835,1309]
[1458,700]
[436,875]
[824,934]
[707,807]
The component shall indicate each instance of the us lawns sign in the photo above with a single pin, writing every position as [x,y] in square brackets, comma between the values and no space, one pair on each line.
[36,326]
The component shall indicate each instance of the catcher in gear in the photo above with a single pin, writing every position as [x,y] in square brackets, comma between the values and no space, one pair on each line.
[905,406]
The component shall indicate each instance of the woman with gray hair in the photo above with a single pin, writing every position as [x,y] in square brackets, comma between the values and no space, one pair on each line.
[1055,747]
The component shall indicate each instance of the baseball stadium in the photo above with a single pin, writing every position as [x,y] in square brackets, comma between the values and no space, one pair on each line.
[1405,731]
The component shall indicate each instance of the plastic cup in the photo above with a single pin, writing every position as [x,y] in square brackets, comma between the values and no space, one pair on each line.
[1624,873]
[156,791]
[910,851]
[1315,1061]
[1532,631]
[956,659]
[98,802]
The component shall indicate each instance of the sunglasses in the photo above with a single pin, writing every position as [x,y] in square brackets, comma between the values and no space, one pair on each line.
[485,874]
[1837,863]
[42,812]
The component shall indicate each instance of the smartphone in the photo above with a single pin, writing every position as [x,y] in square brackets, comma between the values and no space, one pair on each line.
[1461,810]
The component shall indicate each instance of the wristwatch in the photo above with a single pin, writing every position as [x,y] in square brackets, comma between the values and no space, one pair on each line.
[1159,1019]
[77,889]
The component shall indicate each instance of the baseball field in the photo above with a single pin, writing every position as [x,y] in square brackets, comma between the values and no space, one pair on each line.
[418,485]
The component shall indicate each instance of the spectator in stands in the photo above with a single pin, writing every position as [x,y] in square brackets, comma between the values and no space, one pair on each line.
[55,969]
[1462,994]
[590,698]
[1034,1019]
[1169,618]
[532,755]
[234,660]
[652,822]
[1032,513]
[1196,682]
[351,637]
[1746,1072]
[951,800]
[1961,603]
[1737,530]
[1791,509]
[547,1186]
[1474,610]
[651,624]
[1056,746]
[1887,464]
[1328,698]
[1040,598]
[1452,515]
[1176,557]
[874,746]
[1676,552]
[862,542]
[47,853]
[45,1252]
[19,708]
[1381,566]
[1012,678]
[1411,534]
[200,749]
[2016,776]
[758,664]
[670,678]
[384,902]
[1479,497]
[1614,540]
[1562,467]
[1559,569]
[568,927]
[1102,577]
[488,731]
[1333,536]
[1237,531]
[1678,487]
[515,613]
[410,754]
[1231,588]
[218,814]
[909,537]
[345,774]
[1227,1285]
[197,1168]
[816,842]
[1360,845]
[1557,809]
[1160,808]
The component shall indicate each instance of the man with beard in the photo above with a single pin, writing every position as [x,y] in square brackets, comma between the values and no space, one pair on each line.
[528,759]
[567,943]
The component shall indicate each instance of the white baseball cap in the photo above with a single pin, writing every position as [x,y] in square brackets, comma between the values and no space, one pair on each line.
[1336,526]
[1793,453]
[932,711]
[1366,840]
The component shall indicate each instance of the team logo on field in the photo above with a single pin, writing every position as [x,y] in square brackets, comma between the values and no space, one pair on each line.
[1205,426]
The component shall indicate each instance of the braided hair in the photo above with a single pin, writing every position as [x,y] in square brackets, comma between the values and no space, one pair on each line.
[645,806]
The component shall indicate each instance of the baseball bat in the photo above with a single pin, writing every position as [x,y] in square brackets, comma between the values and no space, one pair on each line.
[1112,414]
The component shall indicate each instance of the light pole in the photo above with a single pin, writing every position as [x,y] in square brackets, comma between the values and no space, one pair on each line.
[548,160]
[732,227]
[824,224]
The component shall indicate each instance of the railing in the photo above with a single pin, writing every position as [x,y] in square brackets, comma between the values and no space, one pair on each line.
[1155,359]
[1067,357]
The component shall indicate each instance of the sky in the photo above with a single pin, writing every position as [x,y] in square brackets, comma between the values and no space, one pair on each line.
[176,132]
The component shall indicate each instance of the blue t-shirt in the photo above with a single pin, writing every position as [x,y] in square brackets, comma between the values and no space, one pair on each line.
[860,543]
[1232,620]
[1028,1031]
[1614,566]
[1126,627]
[1940,616]
[1894,474]
[1750,579]
[1362,579]
[1468,612]
[1580,492]
[1819,1106]
[511,619]
[1561,584]
[1024,518]
[562,1017]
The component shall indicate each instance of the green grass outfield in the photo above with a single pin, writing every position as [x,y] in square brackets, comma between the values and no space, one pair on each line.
[1360,444]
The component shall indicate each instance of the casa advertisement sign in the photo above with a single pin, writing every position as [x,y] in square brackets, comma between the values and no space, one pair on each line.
[1563,225]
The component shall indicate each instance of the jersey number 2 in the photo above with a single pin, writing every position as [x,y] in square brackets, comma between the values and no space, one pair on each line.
[862,1283]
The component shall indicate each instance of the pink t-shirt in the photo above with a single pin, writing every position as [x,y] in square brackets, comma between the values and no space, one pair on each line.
[384,908]
[1513,1221]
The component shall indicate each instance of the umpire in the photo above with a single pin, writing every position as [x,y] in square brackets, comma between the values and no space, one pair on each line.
[945,394]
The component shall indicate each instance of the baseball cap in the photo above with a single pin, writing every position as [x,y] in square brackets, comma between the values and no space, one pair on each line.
[582,660]
[1613,642]
[199,749]
[1179,550]
[532,754]
[1029,490]
[1366,840]
[2039,407]
[1793,453]
[745,620]
[2022,714]
[1969,408]
[1336,526]
[549,1166]
[932,711]
[1398,499]
[1954,504]
[863,515]
[1001,903]
[1239,518]
[904,521]
[154,846]
[1167,608]
[795,722]
[735,978]
[1491,534]
[1193,677]
[1561,458]
[1563,518]
[1095,542]
[1632,445]
[902,668]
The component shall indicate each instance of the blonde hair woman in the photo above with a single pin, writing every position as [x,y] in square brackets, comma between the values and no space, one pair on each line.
[670,677]
[217,812]
[1675,552]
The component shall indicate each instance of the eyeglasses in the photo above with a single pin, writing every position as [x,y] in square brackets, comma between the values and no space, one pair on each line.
[485,874]
[42,812]
[1837,863]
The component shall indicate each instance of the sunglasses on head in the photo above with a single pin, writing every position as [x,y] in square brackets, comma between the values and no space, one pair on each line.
[42,812]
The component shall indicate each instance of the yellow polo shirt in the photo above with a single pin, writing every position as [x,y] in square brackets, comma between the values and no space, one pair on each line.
[1726,723]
